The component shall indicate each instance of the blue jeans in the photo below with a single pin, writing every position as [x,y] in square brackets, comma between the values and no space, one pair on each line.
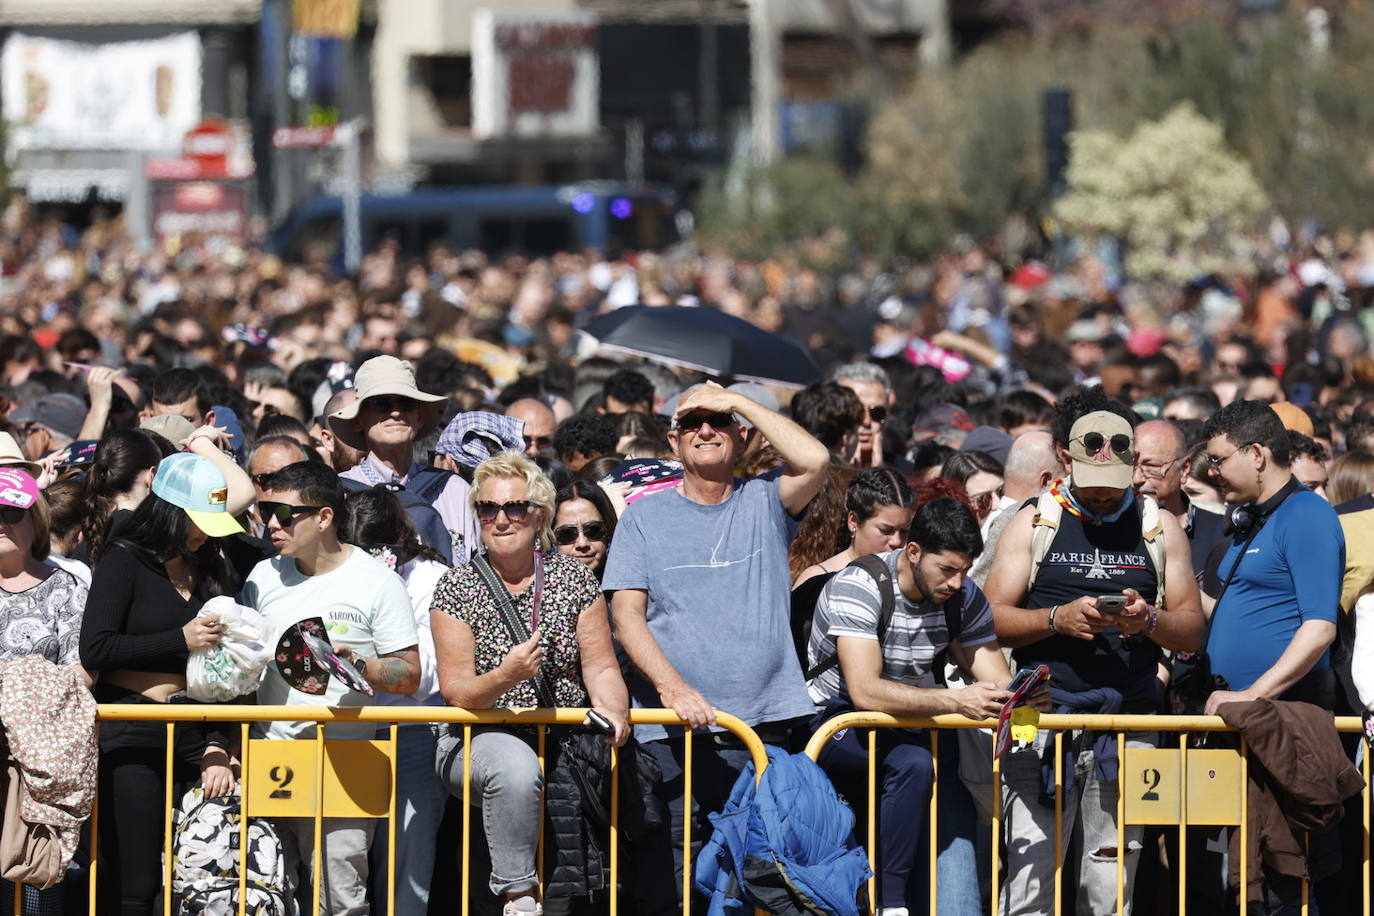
[905,774]
[420,800]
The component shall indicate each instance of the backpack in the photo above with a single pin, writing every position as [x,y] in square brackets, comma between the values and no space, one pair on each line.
[876,566]
[1045,525]
[205,849]
[417,498]
[786,845]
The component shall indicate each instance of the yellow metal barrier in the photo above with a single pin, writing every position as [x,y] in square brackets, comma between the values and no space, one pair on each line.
[1194,774]
[324,778]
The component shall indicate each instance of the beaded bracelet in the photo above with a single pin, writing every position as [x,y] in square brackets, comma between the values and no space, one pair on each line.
[1154,619]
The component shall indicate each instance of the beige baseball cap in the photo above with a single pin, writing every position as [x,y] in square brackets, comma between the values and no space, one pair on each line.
[1102,446]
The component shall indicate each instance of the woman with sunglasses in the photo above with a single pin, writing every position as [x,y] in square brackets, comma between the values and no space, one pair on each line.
[983,478]
[140,626]
[377,522]
[518,627]
[583,524]
[41,607]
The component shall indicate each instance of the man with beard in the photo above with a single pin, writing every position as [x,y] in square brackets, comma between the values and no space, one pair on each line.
[880,646]
[1078,585]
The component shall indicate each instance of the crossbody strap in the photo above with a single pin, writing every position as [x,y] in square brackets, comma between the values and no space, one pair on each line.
[519,633]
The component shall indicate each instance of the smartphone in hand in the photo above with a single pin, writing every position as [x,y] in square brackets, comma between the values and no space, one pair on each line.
[1111,604]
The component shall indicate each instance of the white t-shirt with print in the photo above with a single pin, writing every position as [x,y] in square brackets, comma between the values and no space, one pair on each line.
[364,606]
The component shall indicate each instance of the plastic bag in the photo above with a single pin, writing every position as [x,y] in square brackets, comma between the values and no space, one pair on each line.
[234,667]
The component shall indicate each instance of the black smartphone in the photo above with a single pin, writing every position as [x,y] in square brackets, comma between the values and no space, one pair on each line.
[1021,677]
[1111,604]
[600,722]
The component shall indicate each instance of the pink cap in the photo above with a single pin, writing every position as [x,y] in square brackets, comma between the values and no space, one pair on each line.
[17,488]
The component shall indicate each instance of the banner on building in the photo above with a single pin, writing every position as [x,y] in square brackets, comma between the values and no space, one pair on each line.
[124,95]
[534,75]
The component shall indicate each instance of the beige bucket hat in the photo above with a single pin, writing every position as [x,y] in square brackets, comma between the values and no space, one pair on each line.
[12,456]
[382,375]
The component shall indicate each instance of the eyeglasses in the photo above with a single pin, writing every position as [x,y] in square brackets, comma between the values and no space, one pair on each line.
[695,421]
[284,513]
[1215,463]
[564,535]
[268,410]
[1093,442]
[516,512]
[259,480]
[877,413]
[12,515]
[1155,471]
[386,403]
[540,443]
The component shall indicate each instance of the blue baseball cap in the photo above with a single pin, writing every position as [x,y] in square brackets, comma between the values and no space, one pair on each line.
[195,485]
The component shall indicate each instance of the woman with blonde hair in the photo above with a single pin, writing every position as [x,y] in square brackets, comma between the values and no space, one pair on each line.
[1352,476]
[521,625]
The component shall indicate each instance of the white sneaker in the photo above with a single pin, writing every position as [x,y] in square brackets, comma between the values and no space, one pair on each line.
[893,911]
[524,906]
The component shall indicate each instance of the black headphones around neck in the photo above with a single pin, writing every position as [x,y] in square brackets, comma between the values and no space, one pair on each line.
[1248,518]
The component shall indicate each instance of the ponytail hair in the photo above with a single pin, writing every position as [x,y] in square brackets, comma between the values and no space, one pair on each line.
[121,456]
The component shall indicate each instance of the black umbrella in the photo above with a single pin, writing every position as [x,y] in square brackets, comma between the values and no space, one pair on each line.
[705,339]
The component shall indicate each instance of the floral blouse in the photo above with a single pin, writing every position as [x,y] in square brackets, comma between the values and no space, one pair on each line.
[569,589]
[44,620]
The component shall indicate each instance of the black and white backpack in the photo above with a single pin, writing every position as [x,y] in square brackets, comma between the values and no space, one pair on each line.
[205,870]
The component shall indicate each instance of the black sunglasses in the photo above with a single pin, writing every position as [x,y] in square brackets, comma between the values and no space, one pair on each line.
[386,403]
[877,413]
[516,512]
[695,421]
[1093,442]
[284,513]
[564,535]
[11,515]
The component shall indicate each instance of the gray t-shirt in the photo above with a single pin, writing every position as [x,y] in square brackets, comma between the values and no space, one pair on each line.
[850,606]
[719,594]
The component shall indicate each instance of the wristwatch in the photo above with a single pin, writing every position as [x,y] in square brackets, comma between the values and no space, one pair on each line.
[360,663]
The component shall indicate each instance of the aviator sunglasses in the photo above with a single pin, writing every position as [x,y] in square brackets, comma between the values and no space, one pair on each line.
[564,535]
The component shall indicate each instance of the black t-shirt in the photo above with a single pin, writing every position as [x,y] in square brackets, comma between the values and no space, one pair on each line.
[1089,559]
[134,614]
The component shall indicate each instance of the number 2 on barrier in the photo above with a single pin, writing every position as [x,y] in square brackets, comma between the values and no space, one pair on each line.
[282,780]
[1154,783]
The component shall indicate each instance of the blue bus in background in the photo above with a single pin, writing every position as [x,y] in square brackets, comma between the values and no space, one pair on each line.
[532,220]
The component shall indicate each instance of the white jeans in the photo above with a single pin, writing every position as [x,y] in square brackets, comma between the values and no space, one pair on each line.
[1089,817]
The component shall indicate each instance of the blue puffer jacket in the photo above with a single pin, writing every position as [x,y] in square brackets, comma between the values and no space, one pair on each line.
[788,847]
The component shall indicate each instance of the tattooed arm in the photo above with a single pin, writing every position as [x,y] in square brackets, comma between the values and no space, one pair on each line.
[395,672]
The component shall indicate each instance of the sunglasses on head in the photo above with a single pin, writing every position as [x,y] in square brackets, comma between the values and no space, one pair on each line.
[284,513]
[12,515]
[516,512]
[1093,442]
[564,535]
[695,421]
[388,403]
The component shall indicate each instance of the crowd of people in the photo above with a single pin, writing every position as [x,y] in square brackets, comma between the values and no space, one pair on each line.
[1001,468]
